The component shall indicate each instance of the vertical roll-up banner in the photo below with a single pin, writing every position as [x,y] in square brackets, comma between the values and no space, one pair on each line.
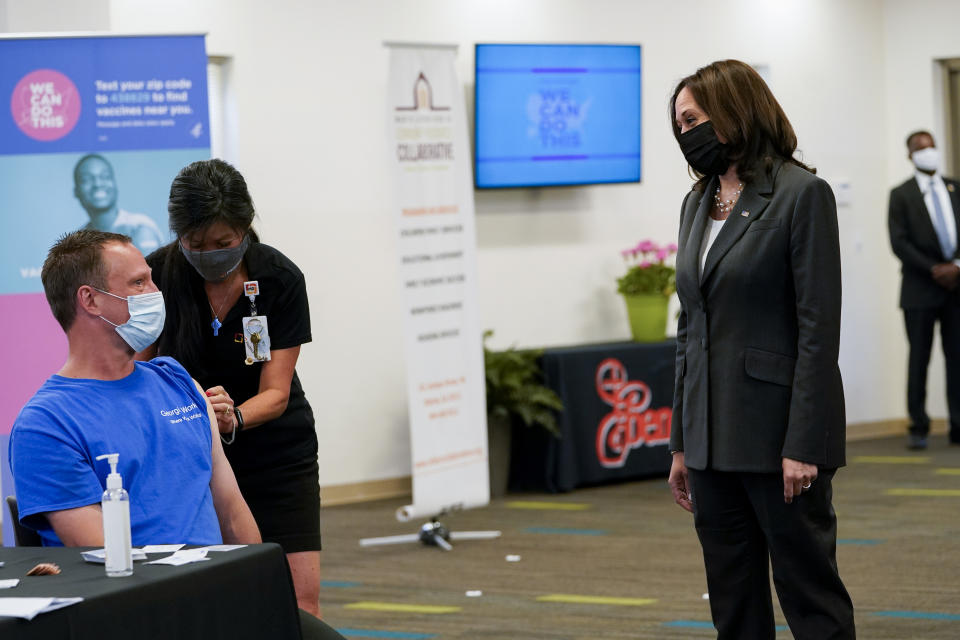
[93,130]
[432,206]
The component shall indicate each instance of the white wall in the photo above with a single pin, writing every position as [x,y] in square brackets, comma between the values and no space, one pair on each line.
[30,16]
[309,81]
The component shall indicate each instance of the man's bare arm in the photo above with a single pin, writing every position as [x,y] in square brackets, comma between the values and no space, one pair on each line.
[80,527]
[237,525]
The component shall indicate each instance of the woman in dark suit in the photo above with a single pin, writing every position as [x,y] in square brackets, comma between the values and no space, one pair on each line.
[758,422]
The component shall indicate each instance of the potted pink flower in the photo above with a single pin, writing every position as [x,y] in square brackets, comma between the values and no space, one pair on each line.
[646,288]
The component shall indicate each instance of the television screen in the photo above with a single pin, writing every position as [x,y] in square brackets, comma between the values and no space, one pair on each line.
[556,114]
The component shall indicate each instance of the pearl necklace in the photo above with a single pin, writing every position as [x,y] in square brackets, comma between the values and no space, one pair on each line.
[726,206]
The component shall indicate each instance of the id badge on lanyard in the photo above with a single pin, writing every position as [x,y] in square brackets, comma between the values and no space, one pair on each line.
[256,335]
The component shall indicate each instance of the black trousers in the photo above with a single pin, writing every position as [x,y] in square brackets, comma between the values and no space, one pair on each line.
[744,526]
[920,325]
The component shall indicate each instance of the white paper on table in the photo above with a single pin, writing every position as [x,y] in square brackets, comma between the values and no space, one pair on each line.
[161,548]
[9,584]
[184,556]
[222,547]
[99,556]
[29,608]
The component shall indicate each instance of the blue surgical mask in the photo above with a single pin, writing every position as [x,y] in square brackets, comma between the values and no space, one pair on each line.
[216,265]
[147,315]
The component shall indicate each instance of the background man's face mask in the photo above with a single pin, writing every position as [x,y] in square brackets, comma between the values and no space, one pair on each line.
[926,159]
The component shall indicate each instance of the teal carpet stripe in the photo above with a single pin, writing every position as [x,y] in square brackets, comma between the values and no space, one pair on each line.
[374,633]
[568,532]
[918,615]
[700,624]
[689,624]
[338,584]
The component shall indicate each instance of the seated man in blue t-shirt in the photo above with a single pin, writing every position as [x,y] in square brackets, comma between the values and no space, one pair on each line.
[152,413]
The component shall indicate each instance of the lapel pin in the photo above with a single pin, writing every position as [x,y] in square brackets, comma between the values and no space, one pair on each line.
[745,213]
[950,188]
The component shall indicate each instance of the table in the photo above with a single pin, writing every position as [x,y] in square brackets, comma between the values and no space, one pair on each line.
[615,425]
[244,593]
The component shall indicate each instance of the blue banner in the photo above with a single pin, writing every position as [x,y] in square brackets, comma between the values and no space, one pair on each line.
[104,94]
[95,131]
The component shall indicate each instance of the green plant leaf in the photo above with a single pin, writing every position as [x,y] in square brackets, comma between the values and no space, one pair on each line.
[654,278]
[514,387]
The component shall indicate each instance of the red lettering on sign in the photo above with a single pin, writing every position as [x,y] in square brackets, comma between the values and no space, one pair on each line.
[632,423]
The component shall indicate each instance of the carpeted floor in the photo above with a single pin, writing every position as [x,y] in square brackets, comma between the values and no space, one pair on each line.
[622,561]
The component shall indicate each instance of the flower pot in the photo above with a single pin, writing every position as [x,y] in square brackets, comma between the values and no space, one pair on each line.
[648,316]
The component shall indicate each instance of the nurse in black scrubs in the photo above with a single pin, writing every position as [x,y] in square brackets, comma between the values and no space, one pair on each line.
[237,313]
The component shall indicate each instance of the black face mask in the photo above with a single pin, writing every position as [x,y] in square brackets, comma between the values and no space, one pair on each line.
[705,153]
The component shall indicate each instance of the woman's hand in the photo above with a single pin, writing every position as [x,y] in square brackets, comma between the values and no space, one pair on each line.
[678,482]
[222,405]
[797,478]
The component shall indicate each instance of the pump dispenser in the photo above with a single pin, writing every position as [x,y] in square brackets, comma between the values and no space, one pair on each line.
[116,522]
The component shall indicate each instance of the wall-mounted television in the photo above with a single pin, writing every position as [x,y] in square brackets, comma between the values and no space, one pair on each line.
[556,114]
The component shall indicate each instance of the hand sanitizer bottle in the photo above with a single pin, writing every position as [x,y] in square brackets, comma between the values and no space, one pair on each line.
[116,522]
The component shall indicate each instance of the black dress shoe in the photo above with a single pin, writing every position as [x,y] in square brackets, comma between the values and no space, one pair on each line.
[916,441]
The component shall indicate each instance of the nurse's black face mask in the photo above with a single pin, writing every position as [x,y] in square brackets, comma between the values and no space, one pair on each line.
[216,265]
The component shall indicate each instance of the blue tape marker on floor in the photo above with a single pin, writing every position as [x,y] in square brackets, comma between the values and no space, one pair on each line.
[700,624]
[374,633]
[338,584]
[570,532]
[866,541]
[922,615]
[689,624]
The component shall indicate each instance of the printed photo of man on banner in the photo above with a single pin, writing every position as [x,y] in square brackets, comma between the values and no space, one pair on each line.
[97,128]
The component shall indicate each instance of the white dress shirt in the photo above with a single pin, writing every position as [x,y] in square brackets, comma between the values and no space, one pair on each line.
[709,235]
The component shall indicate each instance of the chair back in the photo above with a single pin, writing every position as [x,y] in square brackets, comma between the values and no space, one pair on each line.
[22,536]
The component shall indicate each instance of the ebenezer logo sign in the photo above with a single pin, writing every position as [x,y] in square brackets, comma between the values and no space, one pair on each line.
[631,422]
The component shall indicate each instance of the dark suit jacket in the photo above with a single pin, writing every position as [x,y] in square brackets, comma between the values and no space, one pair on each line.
[914,240]
[757,342]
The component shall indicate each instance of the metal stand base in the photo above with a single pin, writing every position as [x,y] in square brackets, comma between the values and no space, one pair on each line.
[432,534]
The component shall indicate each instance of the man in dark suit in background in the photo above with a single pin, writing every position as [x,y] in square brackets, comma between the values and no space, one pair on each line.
[924,218]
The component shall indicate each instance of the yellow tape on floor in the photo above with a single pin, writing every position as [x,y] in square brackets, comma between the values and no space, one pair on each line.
[557,506]
[577,599]
[932,493]
[948,471]
[892,459]
[402,608]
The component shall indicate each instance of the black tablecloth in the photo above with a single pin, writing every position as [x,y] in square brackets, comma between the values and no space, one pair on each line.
[245,593]
[615,425]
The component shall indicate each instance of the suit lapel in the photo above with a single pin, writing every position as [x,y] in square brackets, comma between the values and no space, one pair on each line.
[954,193]
[955,201]
[751,204]
[691,256]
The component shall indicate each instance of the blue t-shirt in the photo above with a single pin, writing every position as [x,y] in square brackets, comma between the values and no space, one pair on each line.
[155,418]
